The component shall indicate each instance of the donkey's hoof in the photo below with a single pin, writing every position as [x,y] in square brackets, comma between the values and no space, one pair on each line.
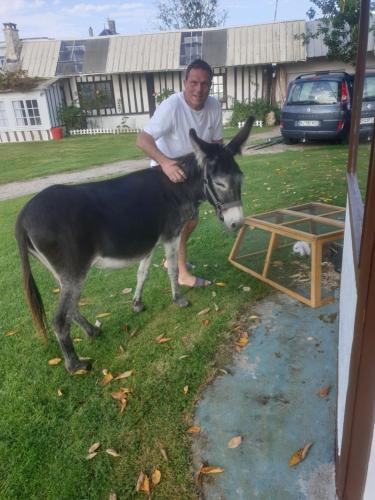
[138,306]
[94,331]
[81,365]
[181,301]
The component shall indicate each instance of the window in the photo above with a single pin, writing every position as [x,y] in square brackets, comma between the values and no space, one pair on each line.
[191,47]
[217,87]
[27,112]
[3,115]
[95,96]
[71,57]
[314,92]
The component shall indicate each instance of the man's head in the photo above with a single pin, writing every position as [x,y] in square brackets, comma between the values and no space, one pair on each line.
[197,83]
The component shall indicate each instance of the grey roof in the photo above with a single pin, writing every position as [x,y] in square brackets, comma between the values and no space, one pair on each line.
[149,52]
[265,43]
[39,58]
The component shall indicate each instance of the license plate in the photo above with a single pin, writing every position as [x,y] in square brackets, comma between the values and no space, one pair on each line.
[367,120]
[307,123]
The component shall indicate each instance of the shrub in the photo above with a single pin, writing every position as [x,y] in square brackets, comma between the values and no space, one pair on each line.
[72,117]
[257,107]
[18,80]
[164,94]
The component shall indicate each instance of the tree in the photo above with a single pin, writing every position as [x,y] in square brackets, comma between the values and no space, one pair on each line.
[338,26]
[192,14]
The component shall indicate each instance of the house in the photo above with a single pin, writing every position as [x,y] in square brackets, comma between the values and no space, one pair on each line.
[118,78]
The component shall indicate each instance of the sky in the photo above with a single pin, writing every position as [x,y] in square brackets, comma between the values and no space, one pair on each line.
[72,18]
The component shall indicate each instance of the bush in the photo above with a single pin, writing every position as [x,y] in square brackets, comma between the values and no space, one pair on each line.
[257,107]
[72,117]
[18,80]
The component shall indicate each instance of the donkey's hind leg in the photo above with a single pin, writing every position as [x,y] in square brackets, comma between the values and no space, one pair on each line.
[89,329]
[171,252]
[141,278]
[62,321]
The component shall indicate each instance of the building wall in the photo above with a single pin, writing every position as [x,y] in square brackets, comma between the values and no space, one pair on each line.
[14,132]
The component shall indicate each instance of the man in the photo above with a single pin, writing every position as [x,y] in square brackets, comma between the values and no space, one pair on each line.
[167,136]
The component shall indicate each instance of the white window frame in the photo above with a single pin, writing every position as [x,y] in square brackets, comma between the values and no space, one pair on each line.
[27,113]
[218,87]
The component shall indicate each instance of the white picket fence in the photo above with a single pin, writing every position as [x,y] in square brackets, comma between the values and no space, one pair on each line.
[257,123]
[95,131]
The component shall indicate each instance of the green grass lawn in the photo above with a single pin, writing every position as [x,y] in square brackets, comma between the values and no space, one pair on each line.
[49,419]
[29,160]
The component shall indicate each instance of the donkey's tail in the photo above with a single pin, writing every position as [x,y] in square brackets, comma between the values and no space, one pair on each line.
[32,294]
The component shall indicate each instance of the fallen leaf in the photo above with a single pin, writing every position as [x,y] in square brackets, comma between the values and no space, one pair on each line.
[212,470]
[324,391]
[186,389]
[54,361]
[123,375]
[163,453]
[216,307]
[112,452]
[184,356]
[204,311]
[121,394]
[59,392]
[103,315]
[299,455]
[254,317]
[107,378]
[235,442]
[90,456]
[246,289]
[98,324]
[162,340]
[94,447]
[112,496]
[243,340]
[194,430]
[143,483]
[220,284]
[77,339]
[156,477]
[81,372]
[205,322]
[127,290]
[10,334]
[56,290]
[84,302]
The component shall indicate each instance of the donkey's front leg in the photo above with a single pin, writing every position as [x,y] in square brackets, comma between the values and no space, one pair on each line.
[141,277]
[171,253]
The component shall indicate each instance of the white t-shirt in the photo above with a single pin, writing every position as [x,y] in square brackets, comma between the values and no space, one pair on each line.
[173,119]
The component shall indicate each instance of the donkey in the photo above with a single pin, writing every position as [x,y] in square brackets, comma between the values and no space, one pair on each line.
[117,222]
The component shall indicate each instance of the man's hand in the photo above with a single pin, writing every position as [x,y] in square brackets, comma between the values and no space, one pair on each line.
[173,171]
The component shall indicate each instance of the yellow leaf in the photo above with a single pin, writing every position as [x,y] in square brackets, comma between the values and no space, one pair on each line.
[221,284]
[324,391]
[242,341]
[163,453]
[103,315]
[112,496]
[212,470]
[121,394]
[77,339]
[106,379]
[143,483]
[81,372]
[156,477]
[10,334]
[299,455]
[123,375]
[254,317]
[186,389]
[56,290]
[90,456]
[204,311]
[194,430]
[112,452]
[246,288]
[162,340]
[127,290]
[54,361]
[94,447]
[59,392]
[84,302]
[235,442]
[184,356]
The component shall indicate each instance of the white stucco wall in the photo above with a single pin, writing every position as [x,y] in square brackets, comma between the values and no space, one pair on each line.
[7,98]
[348,302]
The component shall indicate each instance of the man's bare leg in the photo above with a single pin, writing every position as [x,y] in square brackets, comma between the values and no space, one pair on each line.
[184,276]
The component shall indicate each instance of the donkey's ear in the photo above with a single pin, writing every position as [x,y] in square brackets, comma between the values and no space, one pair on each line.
[201,148]
[236,144]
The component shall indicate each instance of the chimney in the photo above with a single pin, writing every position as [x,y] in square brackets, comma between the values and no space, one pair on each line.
[12,43]
[112,26]
[91,33]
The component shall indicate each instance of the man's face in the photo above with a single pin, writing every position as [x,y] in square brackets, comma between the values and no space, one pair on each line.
[196,88]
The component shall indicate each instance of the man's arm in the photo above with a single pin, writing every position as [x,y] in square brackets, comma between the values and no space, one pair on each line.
[170,168]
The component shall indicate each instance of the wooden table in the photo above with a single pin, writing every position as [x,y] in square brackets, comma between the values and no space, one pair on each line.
[264,249]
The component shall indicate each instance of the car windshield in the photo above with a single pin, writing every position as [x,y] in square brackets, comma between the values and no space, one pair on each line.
[314,92]
[369,88]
